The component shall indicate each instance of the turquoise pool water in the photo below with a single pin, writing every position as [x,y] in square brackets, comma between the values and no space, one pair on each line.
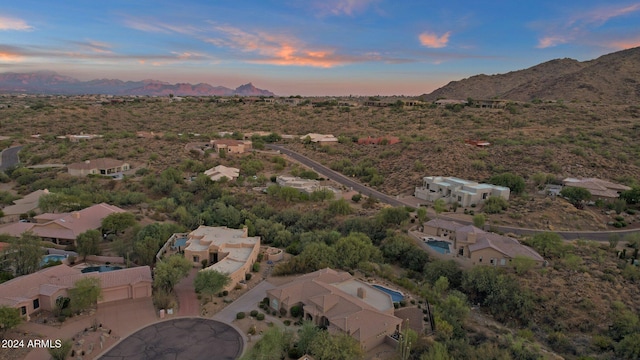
[182,242]
[396,296]
[440,246]
[101,268]
[51,258]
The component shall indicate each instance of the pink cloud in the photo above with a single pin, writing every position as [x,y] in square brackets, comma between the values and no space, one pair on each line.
[431,40]
[550,41]
[602,15]
[624,44]
[279,49]
[7,23]
[159,27]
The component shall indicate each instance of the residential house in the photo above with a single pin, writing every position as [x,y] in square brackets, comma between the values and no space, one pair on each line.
[452,189]
[101,166]
[229,251]
[335,300]
[231,146]
[324,139]
[40,290]
[599,189]
[305,185]
[63,228]
[221,171]
[22,206]
[481,247]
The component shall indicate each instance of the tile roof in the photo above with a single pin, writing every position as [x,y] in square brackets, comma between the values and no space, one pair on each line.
[597,187]
[504,244]
[443,224]
[101,163]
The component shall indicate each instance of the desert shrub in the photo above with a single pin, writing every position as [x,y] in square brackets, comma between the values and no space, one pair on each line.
[247,277]
[255,267]
[253,313]
[260,317]
[241,315]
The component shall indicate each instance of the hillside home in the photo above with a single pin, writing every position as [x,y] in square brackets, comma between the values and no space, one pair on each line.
[481,247]
[323,139]
[63,228]
[229,251]
[231,146]
[40,290]
[452,189]
[599,189]
[101,166]
[221,171]
[335,300]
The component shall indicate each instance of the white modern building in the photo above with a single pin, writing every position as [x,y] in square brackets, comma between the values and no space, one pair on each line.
[452,189]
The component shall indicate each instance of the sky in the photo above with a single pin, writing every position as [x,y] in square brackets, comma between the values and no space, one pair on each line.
[308,47]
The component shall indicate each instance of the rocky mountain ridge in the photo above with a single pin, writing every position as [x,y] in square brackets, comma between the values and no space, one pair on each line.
[48,82]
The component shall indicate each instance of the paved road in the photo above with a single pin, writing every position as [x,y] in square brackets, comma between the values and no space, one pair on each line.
[326,172]
[330,174]
[9,157]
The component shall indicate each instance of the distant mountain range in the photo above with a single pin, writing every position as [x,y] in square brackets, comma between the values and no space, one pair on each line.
[612,78]
[48,82]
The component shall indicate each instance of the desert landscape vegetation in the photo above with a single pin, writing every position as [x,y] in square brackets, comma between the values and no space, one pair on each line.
[583,304]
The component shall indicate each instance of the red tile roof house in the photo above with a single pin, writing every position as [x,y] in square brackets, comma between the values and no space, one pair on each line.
[63,228]
[102,166]
[39,291]
[481,247]
[231,146]
[334,299]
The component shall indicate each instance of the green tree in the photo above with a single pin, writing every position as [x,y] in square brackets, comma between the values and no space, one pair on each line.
[169,272]
[629,347]
[422,215]
[437,351]
[340,207]
[514,182]
[306,336]
[576,195]
[88,243]
[272,345]
[85,293]
[438,268]
[24,254]
[354,249]
[631,196]
[479,220]
[61,352]
[118,222]
[547,244]
[523,264]
[146,250]
[356,198]
[210,282]
[322,195]
[394,215]
[339,346]
[439,206]
[495,205]
[9,318]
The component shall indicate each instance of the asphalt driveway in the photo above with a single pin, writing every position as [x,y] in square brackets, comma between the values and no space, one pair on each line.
[180,339]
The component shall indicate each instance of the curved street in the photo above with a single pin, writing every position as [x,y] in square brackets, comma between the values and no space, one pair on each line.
[9,157]
[365,190]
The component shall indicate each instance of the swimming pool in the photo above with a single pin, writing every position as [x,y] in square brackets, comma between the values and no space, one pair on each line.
[182,242]
[51,258]
[101,268]
[440,246]
[396,296]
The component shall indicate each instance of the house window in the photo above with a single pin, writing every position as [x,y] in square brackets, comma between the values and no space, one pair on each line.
[36,304]
[23,310]
[484,196]
[480,260]
[427,186]
[503,262]
[492,261]
[459,198]
[196,258]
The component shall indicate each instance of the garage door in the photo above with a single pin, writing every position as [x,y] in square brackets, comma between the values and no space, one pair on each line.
[142,291]
[115,294]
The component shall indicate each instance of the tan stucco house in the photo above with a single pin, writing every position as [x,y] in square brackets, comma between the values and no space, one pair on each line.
[221,171]
[39,291]
[229,251]
[335,300]
[102,166]
[599,189]
[452,189]
[481,247]
[231,146]
[63,228]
